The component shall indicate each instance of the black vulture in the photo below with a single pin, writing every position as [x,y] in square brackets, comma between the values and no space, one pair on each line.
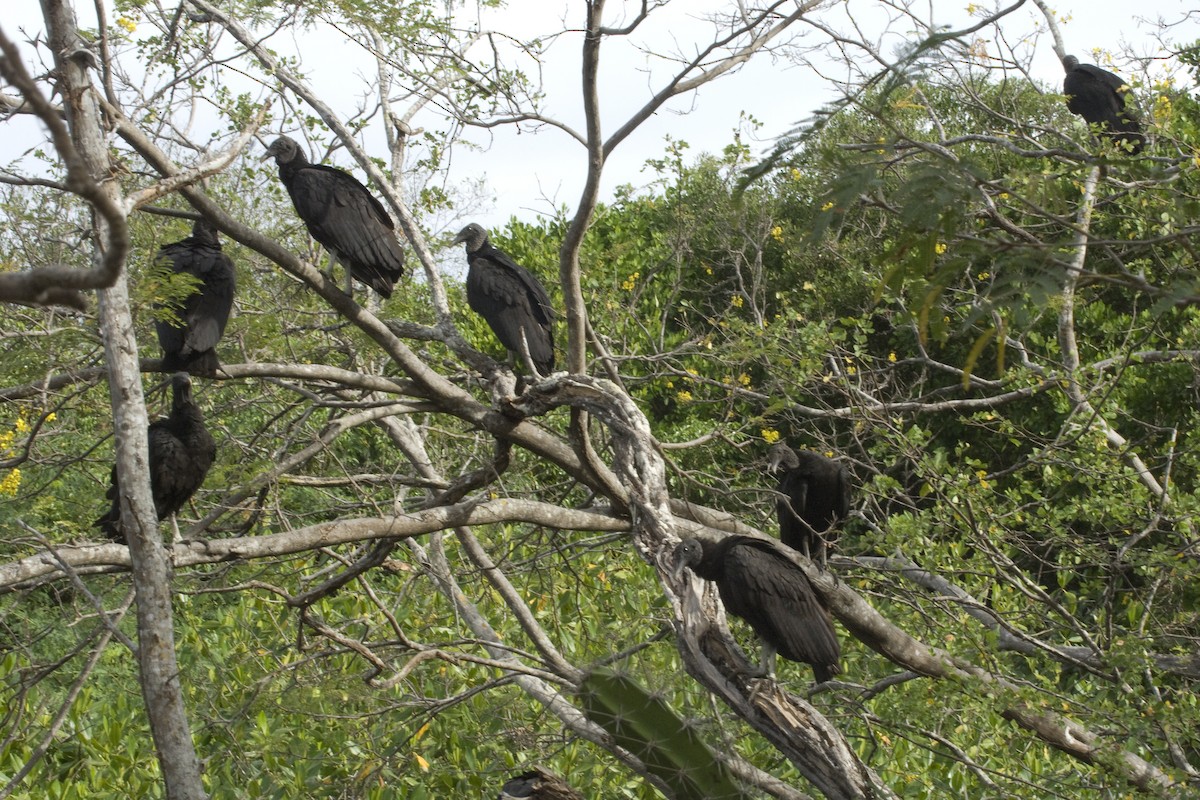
[815,496]
[760,585]
[342,215]
[537,784]
[1103,99]
[189,345]
[511,300]
[181,452]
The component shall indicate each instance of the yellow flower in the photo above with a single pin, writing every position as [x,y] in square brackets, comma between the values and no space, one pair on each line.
[129,25]
[22,425]
[1003,195]
[744,379]
[808,286]
[982,475]
[736,301]
[51,417]
[777,233]
[892,358]
[983,276]
[630,282]
[795,174]
[827,206]
[939,248]
[684,396]
[11,483]
[770,435]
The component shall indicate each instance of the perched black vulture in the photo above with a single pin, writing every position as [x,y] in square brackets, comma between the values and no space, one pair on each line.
[342,215]
[537,784]
[815,496]
[181,451]
[759,584]
[190,345]
[511,300]
[1100,97]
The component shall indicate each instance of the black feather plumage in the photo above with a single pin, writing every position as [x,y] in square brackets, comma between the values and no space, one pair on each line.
[537,784]
[1103,99]
[343,216]
[757,583]
[509,298]
[181,453]
[190,344]
[814,497]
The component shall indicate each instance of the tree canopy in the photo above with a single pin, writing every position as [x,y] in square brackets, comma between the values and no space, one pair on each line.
[410,574]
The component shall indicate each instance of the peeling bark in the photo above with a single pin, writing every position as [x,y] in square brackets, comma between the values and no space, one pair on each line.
[158,670]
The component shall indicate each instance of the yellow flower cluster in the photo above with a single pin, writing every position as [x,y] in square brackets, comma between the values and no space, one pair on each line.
[684,396]
[11,483]
[827,206]
[630,282]
[770,435]
[939,248]
[736,301]
[777,233]
[129,25]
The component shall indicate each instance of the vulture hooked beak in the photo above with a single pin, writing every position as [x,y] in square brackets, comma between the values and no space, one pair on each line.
[687,553]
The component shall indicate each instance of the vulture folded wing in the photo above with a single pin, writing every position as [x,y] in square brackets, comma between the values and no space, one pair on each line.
[172,470]
[207,312]
[345,217]
[514,303]
[540,303]
[170,338]
[790,510]
[777,600]
[842,490]
[1103,98]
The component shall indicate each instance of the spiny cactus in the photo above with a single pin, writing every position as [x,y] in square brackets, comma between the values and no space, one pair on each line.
[647,727]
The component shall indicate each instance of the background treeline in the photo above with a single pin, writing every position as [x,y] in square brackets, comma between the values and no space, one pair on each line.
[898,292]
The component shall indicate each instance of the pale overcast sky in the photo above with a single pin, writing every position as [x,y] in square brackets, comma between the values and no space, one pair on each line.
[533,172]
